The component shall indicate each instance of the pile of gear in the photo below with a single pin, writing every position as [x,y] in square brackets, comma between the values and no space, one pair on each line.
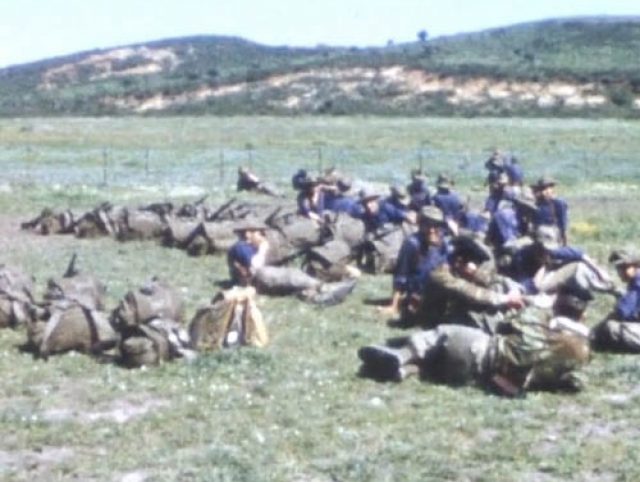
[146,328]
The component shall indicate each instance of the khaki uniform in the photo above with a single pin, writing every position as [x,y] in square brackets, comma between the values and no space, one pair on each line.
[538,351]
[455,300]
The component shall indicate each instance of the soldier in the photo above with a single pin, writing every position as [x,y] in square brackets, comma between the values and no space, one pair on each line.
[620,331]
[449,202]
[535,350]
[544,266]
[551,211]
[498,191]
[467,290]
[398,197]
[299,178]
[339,201]
[311,200]
[247,266]
[376,214]
[420,253]
[248,181]
[418,191]
[504,162]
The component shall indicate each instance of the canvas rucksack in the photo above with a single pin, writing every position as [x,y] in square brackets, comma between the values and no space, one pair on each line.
[232,319]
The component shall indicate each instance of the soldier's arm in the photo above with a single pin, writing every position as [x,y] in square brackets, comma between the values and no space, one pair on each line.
[475,294]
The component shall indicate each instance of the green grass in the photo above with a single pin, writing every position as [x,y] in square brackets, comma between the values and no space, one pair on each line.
[296,410]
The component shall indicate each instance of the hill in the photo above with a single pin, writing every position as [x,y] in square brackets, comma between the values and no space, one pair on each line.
[578,66]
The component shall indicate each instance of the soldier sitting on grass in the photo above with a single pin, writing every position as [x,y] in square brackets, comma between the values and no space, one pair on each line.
[467,290]
[419,255]
[620,331]
[376,214]
[535,349]
[247,262]
[551,210]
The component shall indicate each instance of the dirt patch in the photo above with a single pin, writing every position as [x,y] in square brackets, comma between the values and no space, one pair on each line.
[118,411]
[398,83]
[113,63]
[37,463]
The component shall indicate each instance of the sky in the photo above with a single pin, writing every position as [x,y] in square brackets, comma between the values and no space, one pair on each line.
[38,29]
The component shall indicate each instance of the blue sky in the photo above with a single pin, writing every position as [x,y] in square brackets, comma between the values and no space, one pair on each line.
[37,29]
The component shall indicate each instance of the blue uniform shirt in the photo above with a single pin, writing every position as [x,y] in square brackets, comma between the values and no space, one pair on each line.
[552,213]
[386,214]
[449,203]
[305,207]
[419,194]
[241,253]
[346,204]
[503,227]
[416,261]
[628,306]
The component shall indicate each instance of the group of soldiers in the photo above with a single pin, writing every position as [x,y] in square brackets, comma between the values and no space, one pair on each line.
[498,292]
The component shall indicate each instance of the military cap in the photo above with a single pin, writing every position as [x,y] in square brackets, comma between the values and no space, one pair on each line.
[343,184]
[623,257]
[250,224]
[543,183]
[470,248]
[444,181]
[398,191]
[418,174]
[368,194]
[548,237]
[431,215]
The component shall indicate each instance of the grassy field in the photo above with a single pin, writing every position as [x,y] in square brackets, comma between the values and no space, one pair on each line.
[296,410]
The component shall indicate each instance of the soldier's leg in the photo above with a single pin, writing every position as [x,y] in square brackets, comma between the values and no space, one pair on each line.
[553,280]
[462,352]
[278,280]
[577,274]
[616,336]
[389,363]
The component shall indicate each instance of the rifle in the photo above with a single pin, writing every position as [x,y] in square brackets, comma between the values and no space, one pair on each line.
[221,209]
[71,269]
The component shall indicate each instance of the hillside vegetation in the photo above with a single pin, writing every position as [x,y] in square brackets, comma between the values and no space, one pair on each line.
[581,66]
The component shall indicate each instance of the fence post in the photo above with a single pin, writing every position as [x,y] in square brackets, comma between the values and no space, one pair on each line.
[105,156]
[221,167]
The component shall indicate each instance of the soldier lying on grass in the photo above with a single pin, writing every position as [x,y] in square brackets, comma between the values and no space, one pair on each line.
[534,349]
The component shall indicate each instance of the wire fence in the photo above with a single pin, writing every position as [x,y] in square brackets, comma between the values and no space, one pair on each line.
[215,168]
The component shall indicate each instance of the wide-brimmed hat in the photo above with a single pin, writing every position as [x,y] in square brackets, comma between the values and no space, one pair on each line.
[543,183]
[444,181]
[368,194]
[624,257]
[250,224]
[548,237]
[397,190]
[418,174]
[344,184]
[431,215]
[470,248]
